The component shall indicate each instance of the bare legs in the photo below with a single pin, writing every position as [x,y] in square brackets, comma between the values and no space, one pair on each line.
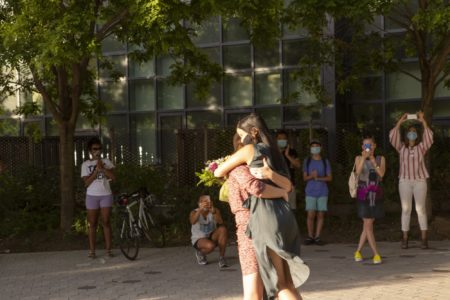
[286,288]
[219,236]
[92,218]
[253,287]
[368,235]
[312,214]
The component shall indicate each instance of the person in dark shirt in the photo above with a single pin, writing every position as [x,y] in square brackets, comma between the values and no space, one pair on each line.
[292,161]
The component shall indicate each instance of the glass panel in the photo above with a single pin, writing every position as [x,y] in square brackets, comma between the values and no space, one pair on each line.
[267,88]
[169,96]
[143,138]
[9,127]
[371,88]
[27,97]
[237,57]
[213,53]
[207,32]
[233,31]
[169,126]
[163,64]
[272,116]
[111,44]
[116,130]
[367,115]
[114,94]
[297,114]
[268,56]
[292,52]
[441,109]
[442,91]
[119,67]
[8,105]
[84,125]
[238,90]
[51,127]
[202,119]
[34,128]
[233,118]
[212,101]
[141,69]
[402,86]
[142,95]
[395,110]
[295,92]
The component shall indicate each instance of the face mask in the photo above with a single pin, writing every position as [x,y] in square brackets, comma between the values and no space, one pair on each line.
[282,143]
[412,135]
[315,150]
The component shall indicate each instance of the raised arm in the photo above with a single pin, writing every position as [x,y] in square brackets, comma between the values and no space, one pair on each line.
[242,156]
[427,136]
[266,172]
[395,135]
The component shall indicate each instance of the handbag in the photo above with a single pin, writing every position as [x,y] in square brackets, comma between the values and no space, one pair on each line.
[223,193]
[353,182]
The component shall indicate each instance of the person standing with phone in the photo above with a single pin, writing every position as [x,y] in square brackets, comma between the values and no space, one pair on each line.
[96,173]
[413,173]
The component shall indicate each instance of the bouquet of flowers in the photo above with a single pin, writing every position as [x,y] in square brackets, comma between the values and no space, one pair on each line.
[207,177]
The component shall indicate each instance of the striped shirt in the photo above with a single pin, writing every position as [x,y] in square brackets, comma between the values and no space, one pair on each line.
[412,162]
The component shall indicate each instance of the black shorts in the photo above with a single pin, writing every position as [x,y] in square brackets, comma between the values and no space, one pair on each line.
[209,237]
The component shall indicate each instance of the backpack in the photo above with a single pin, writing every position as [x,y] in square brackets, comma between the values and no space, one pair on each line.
[308,162]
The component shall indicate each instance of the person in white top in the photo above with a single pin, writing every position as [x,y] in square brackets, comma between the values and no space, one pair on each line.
[97,172]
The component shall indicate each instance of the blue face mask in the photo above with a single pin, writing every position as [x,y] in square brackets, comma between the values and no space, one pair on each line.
[412,135]
[315,150]
[282,143]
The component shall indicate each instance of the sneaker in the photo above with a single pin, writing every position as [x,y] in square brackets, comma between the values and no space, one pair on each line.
[309,241]
[318,241]
[201,258]
[358,256]
[377,259]
[222,262]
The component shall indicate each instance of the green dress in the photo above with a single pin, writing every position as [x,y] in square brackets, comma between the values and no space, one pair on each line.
[273,225]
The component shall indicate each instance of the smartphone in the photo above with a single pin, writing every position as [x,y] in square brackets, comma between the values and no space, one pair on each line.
[411,117]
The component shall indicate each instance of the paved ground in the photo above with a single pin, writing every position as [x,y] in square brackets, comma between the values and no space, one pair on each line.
[172,273]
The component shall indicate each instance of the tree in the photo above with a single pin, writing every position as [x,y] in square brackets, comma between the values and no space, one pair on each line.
[47,47]
[359,46]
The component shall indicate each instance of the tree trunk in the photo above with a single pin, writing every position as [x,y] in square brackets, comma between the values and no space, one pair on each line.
[66,163]
[428,91]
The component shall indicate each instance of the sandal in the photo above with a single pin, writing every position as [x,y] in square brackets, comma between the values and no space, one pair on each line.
[92,254]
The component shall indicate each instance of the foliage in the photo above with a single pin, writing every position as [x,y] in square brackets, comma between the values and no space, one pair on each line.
[29,201]
[207,177]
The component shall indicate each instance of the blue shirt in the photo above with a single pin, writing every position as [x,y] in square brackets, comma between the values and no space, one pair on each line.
[316,188]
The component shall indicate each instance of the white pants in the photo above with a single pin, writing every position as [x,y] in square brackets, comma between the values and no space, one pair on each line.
[418,189]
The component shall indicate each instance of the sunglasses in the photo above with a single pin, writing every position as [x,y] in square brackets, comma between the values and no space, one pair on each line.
[96,148]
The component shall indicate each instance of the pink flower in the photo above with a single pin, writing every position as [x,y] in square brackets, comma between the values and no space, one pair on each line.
[213,166]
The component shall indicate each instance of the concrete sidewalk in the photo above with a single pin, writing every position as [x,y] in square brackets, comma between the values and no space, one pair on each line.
[172,273]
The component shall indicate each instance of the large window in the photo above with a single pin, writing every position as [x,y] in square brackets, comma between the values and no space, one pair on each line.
[403,86]
[141,69]
[9,127]
[294,90]
[267,88]
[268,56]
[143,137]
[237,57]
[233,31]
[142,95]
[169,96]
[238,90]
[208,32]
[212,100]
[272,116]
[115,95]
[204,119]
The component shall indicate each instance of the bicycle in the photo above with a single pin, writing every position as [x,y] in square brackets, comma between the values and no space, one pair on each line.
[132,229]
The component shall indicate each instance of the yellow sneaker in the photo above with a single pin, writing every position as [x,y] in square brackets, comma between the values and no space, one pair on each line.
[377,259]
[358,256]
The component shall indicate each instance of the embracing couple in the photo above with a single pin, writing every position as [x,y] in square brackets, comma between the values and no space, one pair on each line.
[267,232]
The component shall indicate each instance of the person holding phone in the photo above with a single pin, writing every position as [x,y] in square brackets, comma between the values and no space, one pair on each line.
[96,173]
[413,173]
[370,170]
[208,231]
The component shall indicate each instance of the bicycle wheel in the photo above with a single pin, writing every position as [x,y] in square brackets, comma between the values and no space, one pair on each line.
[129,238]
[152,230]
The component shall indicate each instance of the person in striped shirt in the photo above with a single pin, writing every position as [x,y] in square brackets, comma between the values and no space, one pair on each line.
[413,173]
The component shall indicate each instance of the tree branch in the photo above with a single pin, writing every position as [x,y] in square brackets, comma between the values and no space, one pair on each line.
[53,107]
[104,31]
[444,75]
[438,62]
[410,74]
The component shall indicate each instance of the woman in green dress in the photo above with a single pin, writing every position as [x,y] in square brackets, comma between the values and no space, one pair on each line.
[272,226]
